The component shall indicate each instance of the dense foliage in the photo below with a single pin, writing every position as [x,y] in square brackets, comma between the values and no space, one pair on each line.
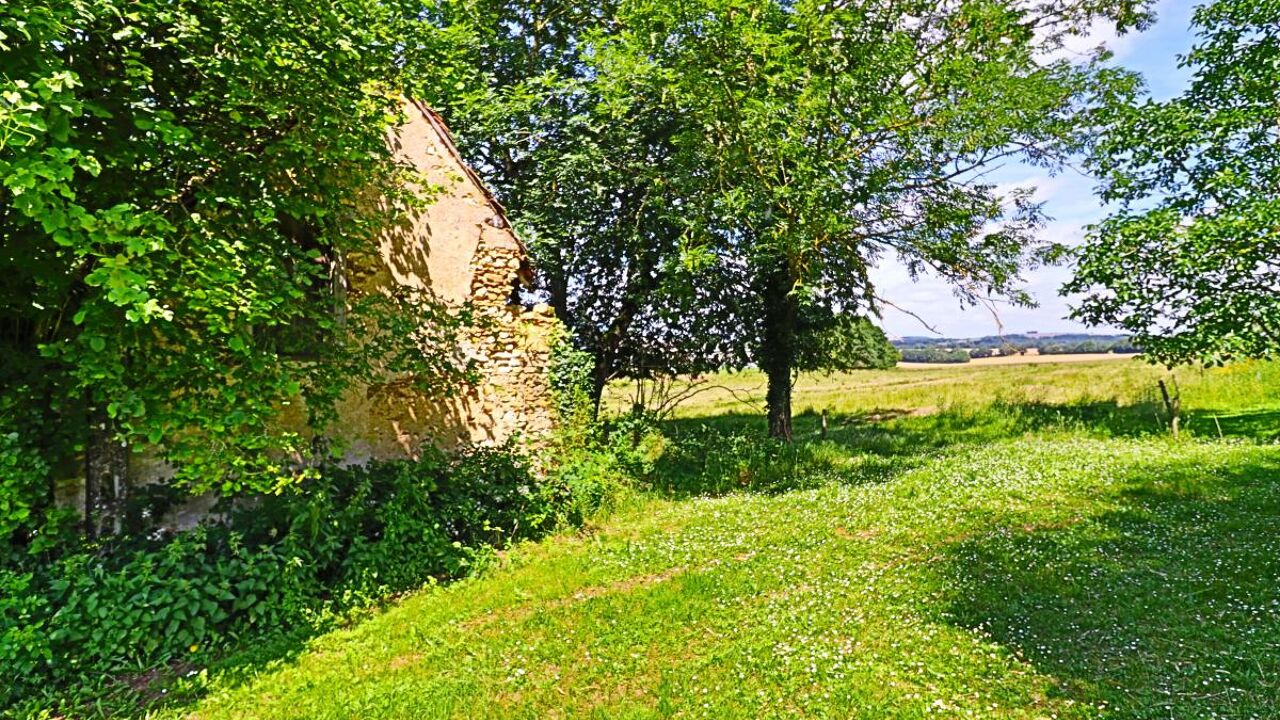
[180,186]
[1190,263]
[709,182]
[586,177]
[571,379]
[275,564]
[184,190]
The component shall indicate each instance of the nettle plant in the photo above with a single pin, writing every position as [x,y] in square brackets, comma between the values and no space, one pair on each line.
[180,186]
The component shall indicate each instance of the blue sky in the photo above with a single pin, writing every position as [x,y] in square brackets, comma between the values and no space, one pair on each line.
[1068,199]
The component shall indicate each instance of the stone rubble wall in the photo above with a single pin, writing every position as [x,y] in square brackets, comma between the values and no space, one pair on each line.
[512,351]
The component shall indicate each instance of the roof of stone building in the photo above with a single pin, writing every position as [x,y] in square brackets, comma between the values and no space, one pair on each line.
[436,247]
[446,136]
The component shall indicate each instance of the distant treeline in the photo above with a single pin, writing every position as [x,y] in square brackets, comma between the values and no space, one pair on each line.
[952,350]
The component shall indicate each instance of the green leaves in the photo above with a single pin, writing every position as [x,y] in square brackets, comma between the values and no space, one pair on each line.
[667,158]
[178,183]
[1190,261]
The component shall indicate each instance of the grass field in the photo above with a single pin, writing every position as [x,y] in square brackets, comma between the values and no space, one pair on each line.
[1007,541]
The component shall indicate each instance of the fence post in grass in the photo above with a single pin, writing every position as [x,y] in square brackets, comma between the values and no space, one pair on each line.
[824,423]
[1173,404]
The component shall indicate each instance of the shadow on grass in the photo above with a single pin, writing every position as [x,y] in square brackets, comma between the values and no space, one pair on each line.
[731,453]
[1062,598]
[1260,425]
[1167,606]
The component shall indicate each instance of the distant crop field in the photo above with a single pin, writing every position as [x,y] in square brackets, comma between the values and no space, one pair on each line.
[1027,360]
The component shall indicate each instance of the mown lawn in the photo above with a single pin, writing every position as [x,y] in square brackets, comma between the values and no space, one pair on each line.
[1015,542]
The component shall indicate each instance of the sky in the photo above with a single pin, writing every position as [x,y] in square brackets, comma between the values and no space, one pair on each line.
[1068,199]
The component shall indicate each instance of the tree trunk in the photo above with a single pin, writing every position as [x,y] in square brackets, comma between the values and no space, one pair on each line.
[600,379]
[778,400]
[778,346]
[106,476]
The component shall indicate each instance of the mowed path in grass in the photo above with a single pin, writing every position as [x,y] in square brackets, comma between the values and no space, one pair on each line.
[1012,562]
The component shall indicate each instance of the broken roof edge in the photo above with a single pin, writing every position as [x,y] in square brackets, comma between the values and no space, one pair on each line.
[446,136]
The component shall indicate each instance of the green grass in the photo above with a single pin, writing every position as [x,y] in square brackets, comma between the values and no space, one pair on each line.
[1004,542]
[1124,382]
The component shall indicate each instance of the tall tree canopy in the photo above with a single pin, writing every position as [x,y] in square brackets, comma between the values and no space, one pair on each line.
[179,184]
[584,176]
[1190,262]
[749,160]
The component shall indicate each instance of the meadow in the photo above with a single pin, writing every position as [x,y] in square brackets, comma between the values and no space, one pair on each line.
[1004,541]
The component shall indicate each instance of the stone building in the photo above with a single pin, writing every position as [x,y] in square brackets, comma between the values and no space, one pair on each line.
[461,250]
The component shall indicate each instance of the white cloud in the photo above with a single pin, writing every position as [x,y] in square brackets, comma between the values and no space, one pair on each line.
[934,301]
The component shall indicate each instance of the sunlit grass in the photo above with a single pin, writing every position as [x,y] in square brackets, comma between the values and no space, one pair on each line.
[1124,381]
[1009,542]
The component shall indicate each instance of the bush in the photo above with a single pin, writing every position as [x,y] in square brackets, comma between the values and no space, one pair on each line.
[24,641]
[200,589]
[275,564]
[594,463]
[490,497]
[600,464]
[569,375]
[23,478]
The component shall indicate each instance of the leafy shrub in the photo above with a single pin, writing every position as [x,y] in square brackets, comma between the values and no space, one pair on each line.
[490,497]
[23,477]
[365,531]
[201,588]
[569,375]
[603,463]
[275,564]
[24,642]
[99,612]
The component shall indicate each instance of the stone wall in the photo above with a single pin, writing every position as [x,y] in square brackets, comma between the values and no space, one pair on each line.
[512,349]
[461,250]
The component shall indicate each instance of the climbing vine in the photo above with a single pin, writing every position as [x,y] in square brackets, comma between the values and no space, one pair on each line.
[569,375]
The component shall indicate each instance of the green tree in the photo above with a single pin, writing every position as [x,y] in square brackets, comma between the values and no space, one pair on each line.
[1190,262]
[180,185]
[583,175]
[704,182]
[816,138]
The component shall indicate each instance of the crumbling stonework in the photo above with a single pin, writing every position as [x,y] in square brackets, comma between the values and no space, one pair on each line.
[461,250]
[512,350]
